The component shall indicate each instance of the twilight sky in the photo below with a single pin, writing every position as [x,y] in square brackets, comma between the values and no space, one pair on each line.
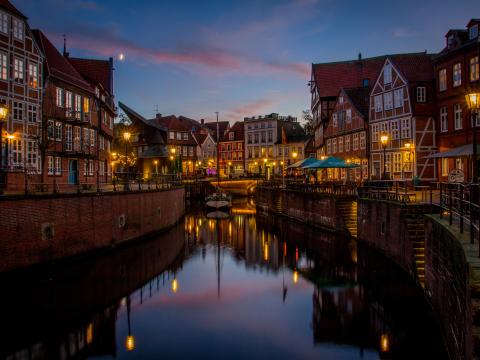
[241,58]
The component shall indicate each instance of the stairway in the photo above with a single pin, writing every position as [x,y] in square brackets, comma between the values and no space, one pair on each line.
[348,211]
[416,234]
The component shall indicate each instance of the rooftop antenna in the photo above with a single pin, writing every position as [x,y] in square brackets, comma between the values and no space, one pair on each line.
[65,53]
[156,109]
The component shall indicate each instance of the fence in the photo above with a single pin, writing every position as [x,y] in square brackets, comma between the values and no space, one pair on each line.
[330,188]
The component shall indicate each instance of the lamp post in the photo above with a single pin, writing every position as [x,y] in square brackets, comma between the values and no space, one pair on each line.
[126,138]
[384,141]
[473,102]
[3,117]
[156,167]
[265,167]
[172,157]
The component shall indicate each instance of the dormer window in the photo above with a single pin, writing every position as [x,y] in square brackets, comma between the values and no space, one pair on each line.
[387,74]
[451,41]
[473,31]
[3,22]
[231,136]
[18,29]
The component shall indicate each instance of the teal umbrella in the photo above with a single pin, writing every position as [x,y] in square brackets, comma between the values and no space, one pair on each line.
[302,163]
[331,163]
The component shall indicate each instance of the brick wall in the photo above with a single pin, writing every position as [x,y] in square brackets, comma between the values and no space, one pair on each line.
[42,229]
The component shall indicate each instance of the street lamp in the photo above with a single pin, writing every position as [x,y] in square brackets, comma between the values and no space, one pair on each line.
[384,141]
[294,154]
[172,157]
[3,117]
[126,137]
[473,102]
[156,167]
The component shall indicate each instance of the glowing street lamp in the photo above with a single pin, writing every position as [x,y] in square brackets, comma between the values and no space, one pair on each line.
[384,141]
[156,167]
[473,102]
[3,117]
[126,137]
[294,154]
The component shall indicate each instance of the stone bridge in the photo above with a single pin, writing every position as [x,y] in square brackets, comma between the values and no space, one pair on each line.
[238,187]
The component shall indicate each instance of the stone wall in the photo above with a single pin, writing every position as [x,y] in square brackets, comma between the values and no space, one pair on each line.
[36,229]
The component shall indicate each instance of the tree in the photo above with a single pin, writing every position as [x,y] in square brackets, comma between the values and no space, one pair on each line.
[307,122]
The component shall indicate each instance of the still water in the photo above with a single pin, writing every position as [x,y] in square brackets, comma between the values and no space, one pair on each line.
[248,286]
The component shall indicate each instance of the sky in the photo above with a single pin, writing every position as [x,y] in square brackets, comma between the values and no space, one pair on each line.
[240,58]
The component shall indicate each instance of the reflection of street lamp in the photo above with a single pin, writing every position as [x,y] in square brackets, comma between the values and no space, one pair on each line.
[130,340]
[384,141]
[295,276]
[174,285]
[126,137]
[3,117]
[473,102]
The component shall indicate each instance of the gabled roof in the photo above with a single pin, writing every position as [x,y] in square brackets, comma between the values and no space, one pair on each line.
[170,123]
[222,127]
[95,71]
[293,131]
[360,99]
[7,5]
[331,77]
[238,129]
[135,117]
[57,65]
[199,138]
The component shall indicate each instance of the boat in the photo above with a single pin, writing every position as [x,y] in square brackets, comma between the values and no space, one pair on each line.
[218,200]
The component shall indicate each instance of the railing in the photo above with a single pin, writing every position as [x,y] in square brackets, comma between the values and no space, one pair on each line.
[330,188]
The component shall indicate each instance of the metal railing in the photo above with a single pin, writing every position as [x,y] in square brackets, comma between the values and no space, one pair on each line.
[330,187]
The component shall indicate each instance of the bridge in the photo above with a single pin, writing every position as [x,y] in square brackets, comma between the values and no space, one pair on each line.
[237,187]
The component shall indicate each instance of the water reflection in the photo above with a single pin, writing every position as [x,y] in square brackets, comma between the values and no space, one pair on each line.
[246,286]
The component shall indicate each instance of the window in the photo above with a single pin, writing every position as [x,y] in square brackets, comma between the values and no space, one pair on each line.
[458,116]
[365,82]
[50,130]
[355,141]
[92,137]
[398,98]
[347,143]
[33,76]
[239,146]
[473,32]
[263,136]
[421,94]
[86,139]
[394,129]
[250,138]
[18,29]
[397,162]
[388,161]
[179,136]
[17,111]
[17,152]
[375,131]
[51,165]
[442,80]
[378,103]
[32,113]
[101,141]
[329,146]
[256,138]
[334,119]
[185,136]
[101,170]
[363,140]
[270,136]
[68,102]
[384,127]
[32,154]
[76,138]
[18,70]
[231,136]
[78,106]
[444,166]
[387,74]
[59,99]
[348,115]
[3,66]
[474,69]
[459,164]
[90,167]
[340,144]
[171,135]
[3,22]
[443,119]
[68,138]
[58,131]
[405,128]
[388,100]
[86,105]
[334,146]
[457,74]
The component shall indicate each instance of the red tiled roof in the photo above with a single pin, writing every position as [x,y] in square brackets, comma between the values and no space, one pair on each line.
[238,129]
[95,71]
[212,126]
[331,77]
[57,65]
[200,138]
[7,5]
[360,98]
[170,122]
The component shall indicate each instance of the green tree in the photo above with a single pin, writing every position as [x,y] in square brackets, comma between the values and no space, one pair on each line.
[307,119]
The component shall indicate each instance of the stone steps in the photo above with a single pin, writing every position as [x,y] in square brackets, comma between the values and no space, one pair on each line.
[348,211]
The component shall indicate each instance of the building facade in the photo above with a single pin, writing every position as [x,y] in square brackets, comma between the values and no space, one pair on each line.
[21,83]
[402,109]
[456,69]
[346,135]
[232,151]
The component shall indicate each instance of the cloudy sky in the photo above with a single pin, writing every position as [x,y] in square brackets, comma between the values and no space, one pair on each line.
[241,58]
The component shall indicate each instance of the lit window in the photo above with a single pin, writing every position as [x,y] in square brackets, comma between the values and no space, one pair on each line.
[442,80]
[33,76]
[18,70]
[444,166]
[457,74]
[86,105]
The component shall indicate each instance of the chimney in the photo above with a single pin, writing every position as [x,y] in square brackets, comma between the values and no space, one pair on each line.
[202,121]
[65,53]
[158,116]
[359,56]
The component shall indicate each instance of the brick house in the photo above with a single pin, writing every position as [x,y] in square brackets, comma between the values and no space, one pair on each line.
[99,74]
[402,107]
[232,150]
[346,135]
[21,76]
[456,69]
[70,140]
[206,152]
[290,145]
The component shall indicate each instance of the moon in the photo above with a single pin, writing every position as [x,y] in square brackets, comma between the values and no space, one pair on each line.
[121,56]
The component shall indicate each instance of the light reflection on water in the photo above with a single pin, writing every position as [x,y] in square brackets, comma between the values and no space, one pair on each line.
[242,287]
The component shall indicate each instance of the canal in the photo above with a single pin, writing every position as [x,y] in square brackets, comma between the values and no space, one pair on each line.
[248,286]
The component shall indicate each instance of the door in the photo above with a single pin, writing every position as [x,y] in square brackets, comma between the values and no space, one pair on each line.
[73,171]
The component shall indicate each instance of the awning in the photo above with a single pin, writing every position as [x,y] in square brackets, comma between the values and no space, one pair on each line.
[302,163]
[461,151]
[331,163]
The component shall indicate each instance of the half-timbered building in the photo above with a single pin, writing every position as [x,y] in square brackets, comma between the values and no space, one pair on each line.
[346,135]
[232,150]
[402,108]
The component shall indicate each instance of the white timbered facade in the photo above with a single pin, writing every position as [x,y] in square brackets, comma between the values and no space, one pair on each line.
[402,107]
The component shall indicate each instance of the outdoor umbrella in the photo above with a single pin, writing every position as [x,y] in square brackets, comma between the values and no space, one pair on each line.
[302,163]
[330,163]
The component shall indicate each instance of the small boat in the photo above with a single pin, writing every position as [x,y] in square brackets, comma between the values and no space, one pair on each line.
[217,214]
[218,200]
